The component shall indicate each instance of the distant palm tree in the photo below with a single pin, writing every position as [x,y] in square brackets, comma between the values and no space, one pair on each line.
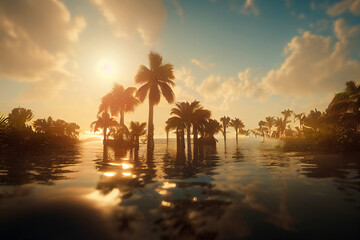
[44,125]
[262,128]
[225,121]
[156,81]
[199,119]
[212,127]
[19,117]
[237,124]
[119,100]
[300,117]
[4,127]
[72,130]
[137,130]
[177,124]
[104,122]
[281,124]
[314,120]
[270,121]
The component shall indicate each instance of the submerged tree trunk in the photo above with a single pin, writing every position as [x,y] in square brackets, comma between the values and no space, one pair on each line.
[104,140]
[167,138]
[196,143]
[236,134]
[188,139]
[150,137]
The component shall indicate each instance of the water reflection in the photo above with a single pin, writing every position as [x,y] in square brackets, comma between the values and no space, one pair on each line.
[252,191]
[45,167]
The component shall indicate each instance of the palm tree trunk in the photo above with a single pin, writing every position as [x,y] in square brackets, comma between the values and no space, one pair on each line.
[236,133]
[167,138]
[196,145]
[188,139]
[105,130]
[150,140]
[224,134]
[122,117]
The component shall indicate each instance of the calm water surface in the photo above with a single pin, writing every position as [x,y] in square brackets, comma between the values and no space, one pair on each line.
[253,191]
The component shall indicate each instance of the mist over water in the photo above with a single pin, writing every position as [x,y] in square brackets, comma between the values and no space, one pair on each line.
[253,190]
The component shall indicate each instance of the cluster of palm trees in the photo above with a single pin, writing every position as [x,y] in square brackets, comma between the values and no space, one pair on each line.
[17,128]
[339,123]
[156,80]
[195,120]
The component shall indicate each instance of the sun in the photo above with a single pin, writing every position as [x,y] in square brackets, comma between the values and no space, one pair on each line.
[105,68]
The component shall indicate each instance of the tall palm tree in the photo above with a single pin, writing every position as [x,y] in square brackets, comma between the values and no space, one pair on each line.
[167,130]
[225,123]
[119,101]
[104,122]
[262,128]
[281,124]
[237,124]
[156,81]
[270,121]
[19,117]
[212,127]
[137,130]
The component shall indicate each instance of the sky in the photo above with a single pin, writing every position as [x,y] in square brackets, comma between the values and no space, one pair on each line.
[241,58]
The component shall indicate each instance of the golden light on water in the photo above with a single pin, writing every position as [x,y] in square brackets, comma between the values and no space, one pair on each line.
[126,165]
[127,174]
[112,198]
[109,174]
[169,185]
[166,204]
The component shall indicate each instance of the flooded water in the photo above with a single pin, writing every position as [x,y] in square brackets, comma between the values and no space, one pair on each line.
[253,191]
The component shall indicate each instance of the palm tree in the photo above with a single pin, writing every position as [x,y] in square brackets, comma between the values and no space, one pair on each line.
[237,124]
[119,100]
[225,123]
[211,128]
[137,130]
[19,117]
[177,124]
[281,124]
[72,130]
[156,81]
[167,130]
[4,127]
[300,117]
[270,121]
[44,125]
[199,119]
[104,121]
[262,128]
[186,111]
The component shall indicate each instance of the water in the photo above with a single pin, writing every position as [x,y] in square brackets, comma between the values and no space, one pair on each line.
[253,191]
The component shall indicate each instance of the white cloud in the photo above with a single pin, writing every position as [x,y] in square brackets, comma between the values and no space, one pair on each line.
[230,89]
[35,39]
[184,75]
[313,64]
[353,6]
[128,18]
[201,64]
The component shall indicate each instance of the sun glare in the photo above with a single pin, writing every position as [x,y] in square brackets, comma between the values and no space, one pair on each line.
[105,68]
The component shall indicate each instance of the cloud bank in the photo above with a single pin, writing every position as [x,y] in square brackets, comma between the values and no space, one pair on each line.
[130,17]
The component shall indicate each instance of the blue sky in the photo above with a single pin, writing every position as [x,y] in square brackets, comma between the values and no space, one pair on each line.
[246,58]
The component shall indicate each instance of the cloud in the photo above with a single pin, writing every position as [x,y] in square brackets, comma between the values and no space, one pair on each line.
[184,75]
[202,65]
[128,18]
[353,6]
[35,39]
[230,89]
[321,25]
[314,64]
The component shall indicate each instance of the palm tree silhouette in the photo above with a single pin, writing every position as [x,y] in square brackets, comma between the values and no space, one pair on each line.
[225,123]
[186,112]
[237,124]
[104,122]
[137,130]
[211,127]
[199,119]
[300,117]
[270,121]
[119,101]
[44,125]
[19,117]
[156,81]
[177,124]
